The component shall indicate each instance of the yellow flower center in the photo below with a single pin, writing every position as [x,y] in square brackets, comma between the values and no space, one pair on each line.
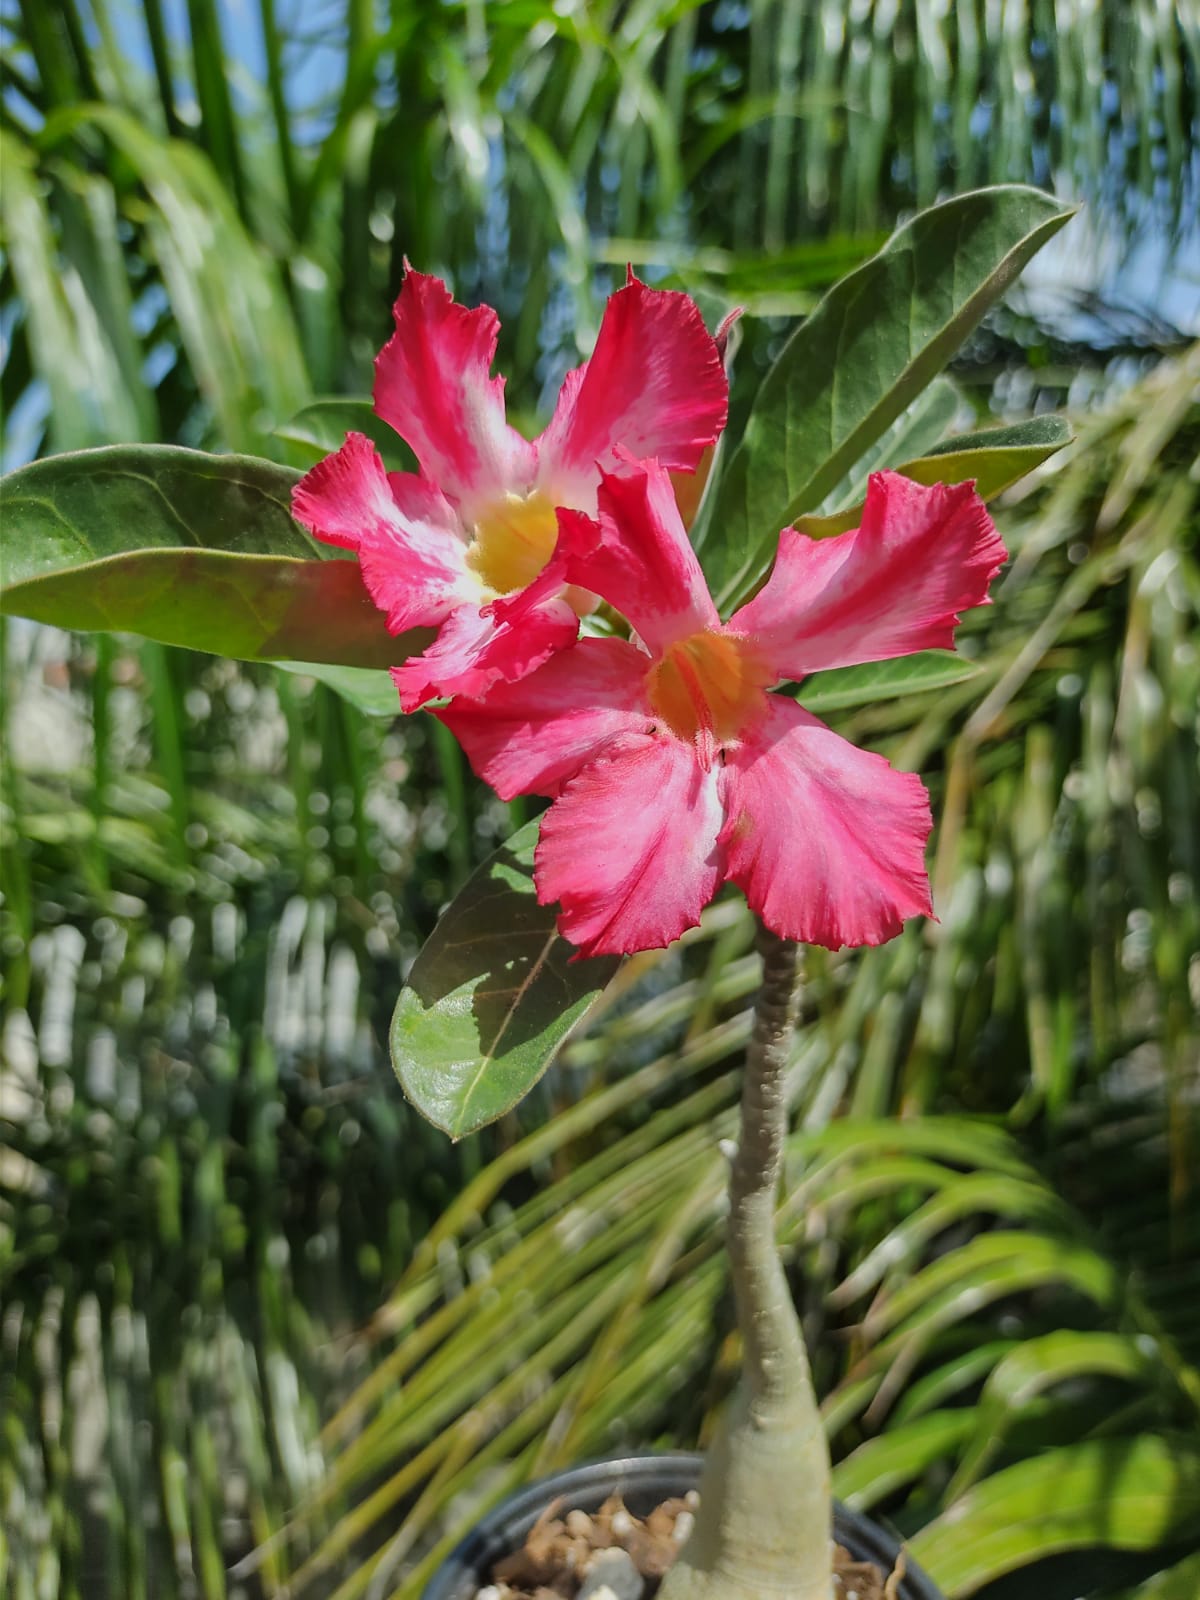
[709,684]
[513,541]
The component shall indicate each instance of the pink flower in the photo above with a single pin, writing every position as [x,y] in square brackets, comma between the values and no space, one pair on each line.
[671,766]
[478,522]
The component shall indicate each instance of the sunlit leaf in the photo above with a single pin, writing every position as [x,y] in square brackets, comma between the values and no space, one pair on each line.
[320,428]
[994,459]
[186,548]
[882,1465]
[985,1268]
[875,341]
[917,429]
[1125,1494]
[1038,1364]
[368,689]
[491,997]
[1180,1582]
[843,687]
[91,399]
[993,1193]
[233,317]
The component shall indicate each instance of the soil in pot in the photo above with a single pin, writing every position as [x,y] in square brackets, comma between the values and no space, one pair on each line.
[655,1492]
[612,1555]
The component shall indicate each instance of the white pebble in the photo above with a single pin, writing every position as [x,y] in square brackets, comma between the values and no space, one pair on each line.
[490,1593]
[622,1523]
[684,1523]
[612,1576]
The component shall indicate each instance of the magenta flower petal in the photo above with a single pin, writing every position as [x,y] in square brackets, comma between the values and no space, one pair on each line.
[405,533]
[630,848]
[654,384]
[476,650]
[639,557]
[531,737]
[477,529]
[895,584]
[828,841]
[432,385]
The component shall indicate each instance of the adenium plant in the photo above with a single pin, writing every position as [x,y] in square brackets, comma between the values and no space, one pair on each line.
[585,646]
[671,763]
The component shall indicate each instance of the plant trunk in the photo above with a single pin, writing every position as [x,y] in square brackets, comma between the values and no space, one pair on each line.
[763,1529]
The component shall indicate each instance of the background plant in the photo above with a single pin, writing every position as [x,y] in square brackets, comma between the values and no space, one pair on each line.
[206,827]
[206,220]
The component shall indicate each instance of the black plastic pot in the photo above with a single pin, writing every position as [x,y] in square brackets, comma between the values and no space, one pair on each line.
[642,1482]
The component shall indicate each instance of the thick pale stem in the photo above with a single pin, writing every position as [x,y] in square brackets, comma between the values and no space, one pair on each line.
[775,1364]
[763,1530]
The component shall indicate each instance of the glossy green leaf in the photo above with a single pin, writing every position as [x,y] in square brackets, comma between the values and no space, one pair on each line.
[1126,1494]
[994,459]
[843,687]
[875,341]
[186,548]
[491,997]
[321,428]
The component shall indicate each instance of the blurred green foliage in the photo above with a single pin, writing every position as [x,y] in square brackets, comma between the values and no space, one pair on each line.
[212,873]
[206,217]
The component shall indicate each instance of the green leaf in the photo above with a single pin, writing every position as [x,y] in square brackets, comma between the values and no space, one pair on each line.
[321,428]
[186,548]
[994,458]
[491,997]
[843,687]
[916,430]
[995,1193]
[366,688]
[875,341]
[1126,1494]
[880,1466]
[561,193]
[1180,1582]
[1019,1377]
[990,1266]
[90,398]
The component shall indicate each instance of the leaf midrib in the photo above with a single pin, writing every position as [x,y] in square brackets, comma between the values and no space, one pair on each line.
[843,457]
[490,1054]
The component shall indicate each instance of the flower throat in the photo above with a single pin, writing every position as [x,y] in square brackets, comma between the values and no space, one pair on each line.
[513,541]
[710,684]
